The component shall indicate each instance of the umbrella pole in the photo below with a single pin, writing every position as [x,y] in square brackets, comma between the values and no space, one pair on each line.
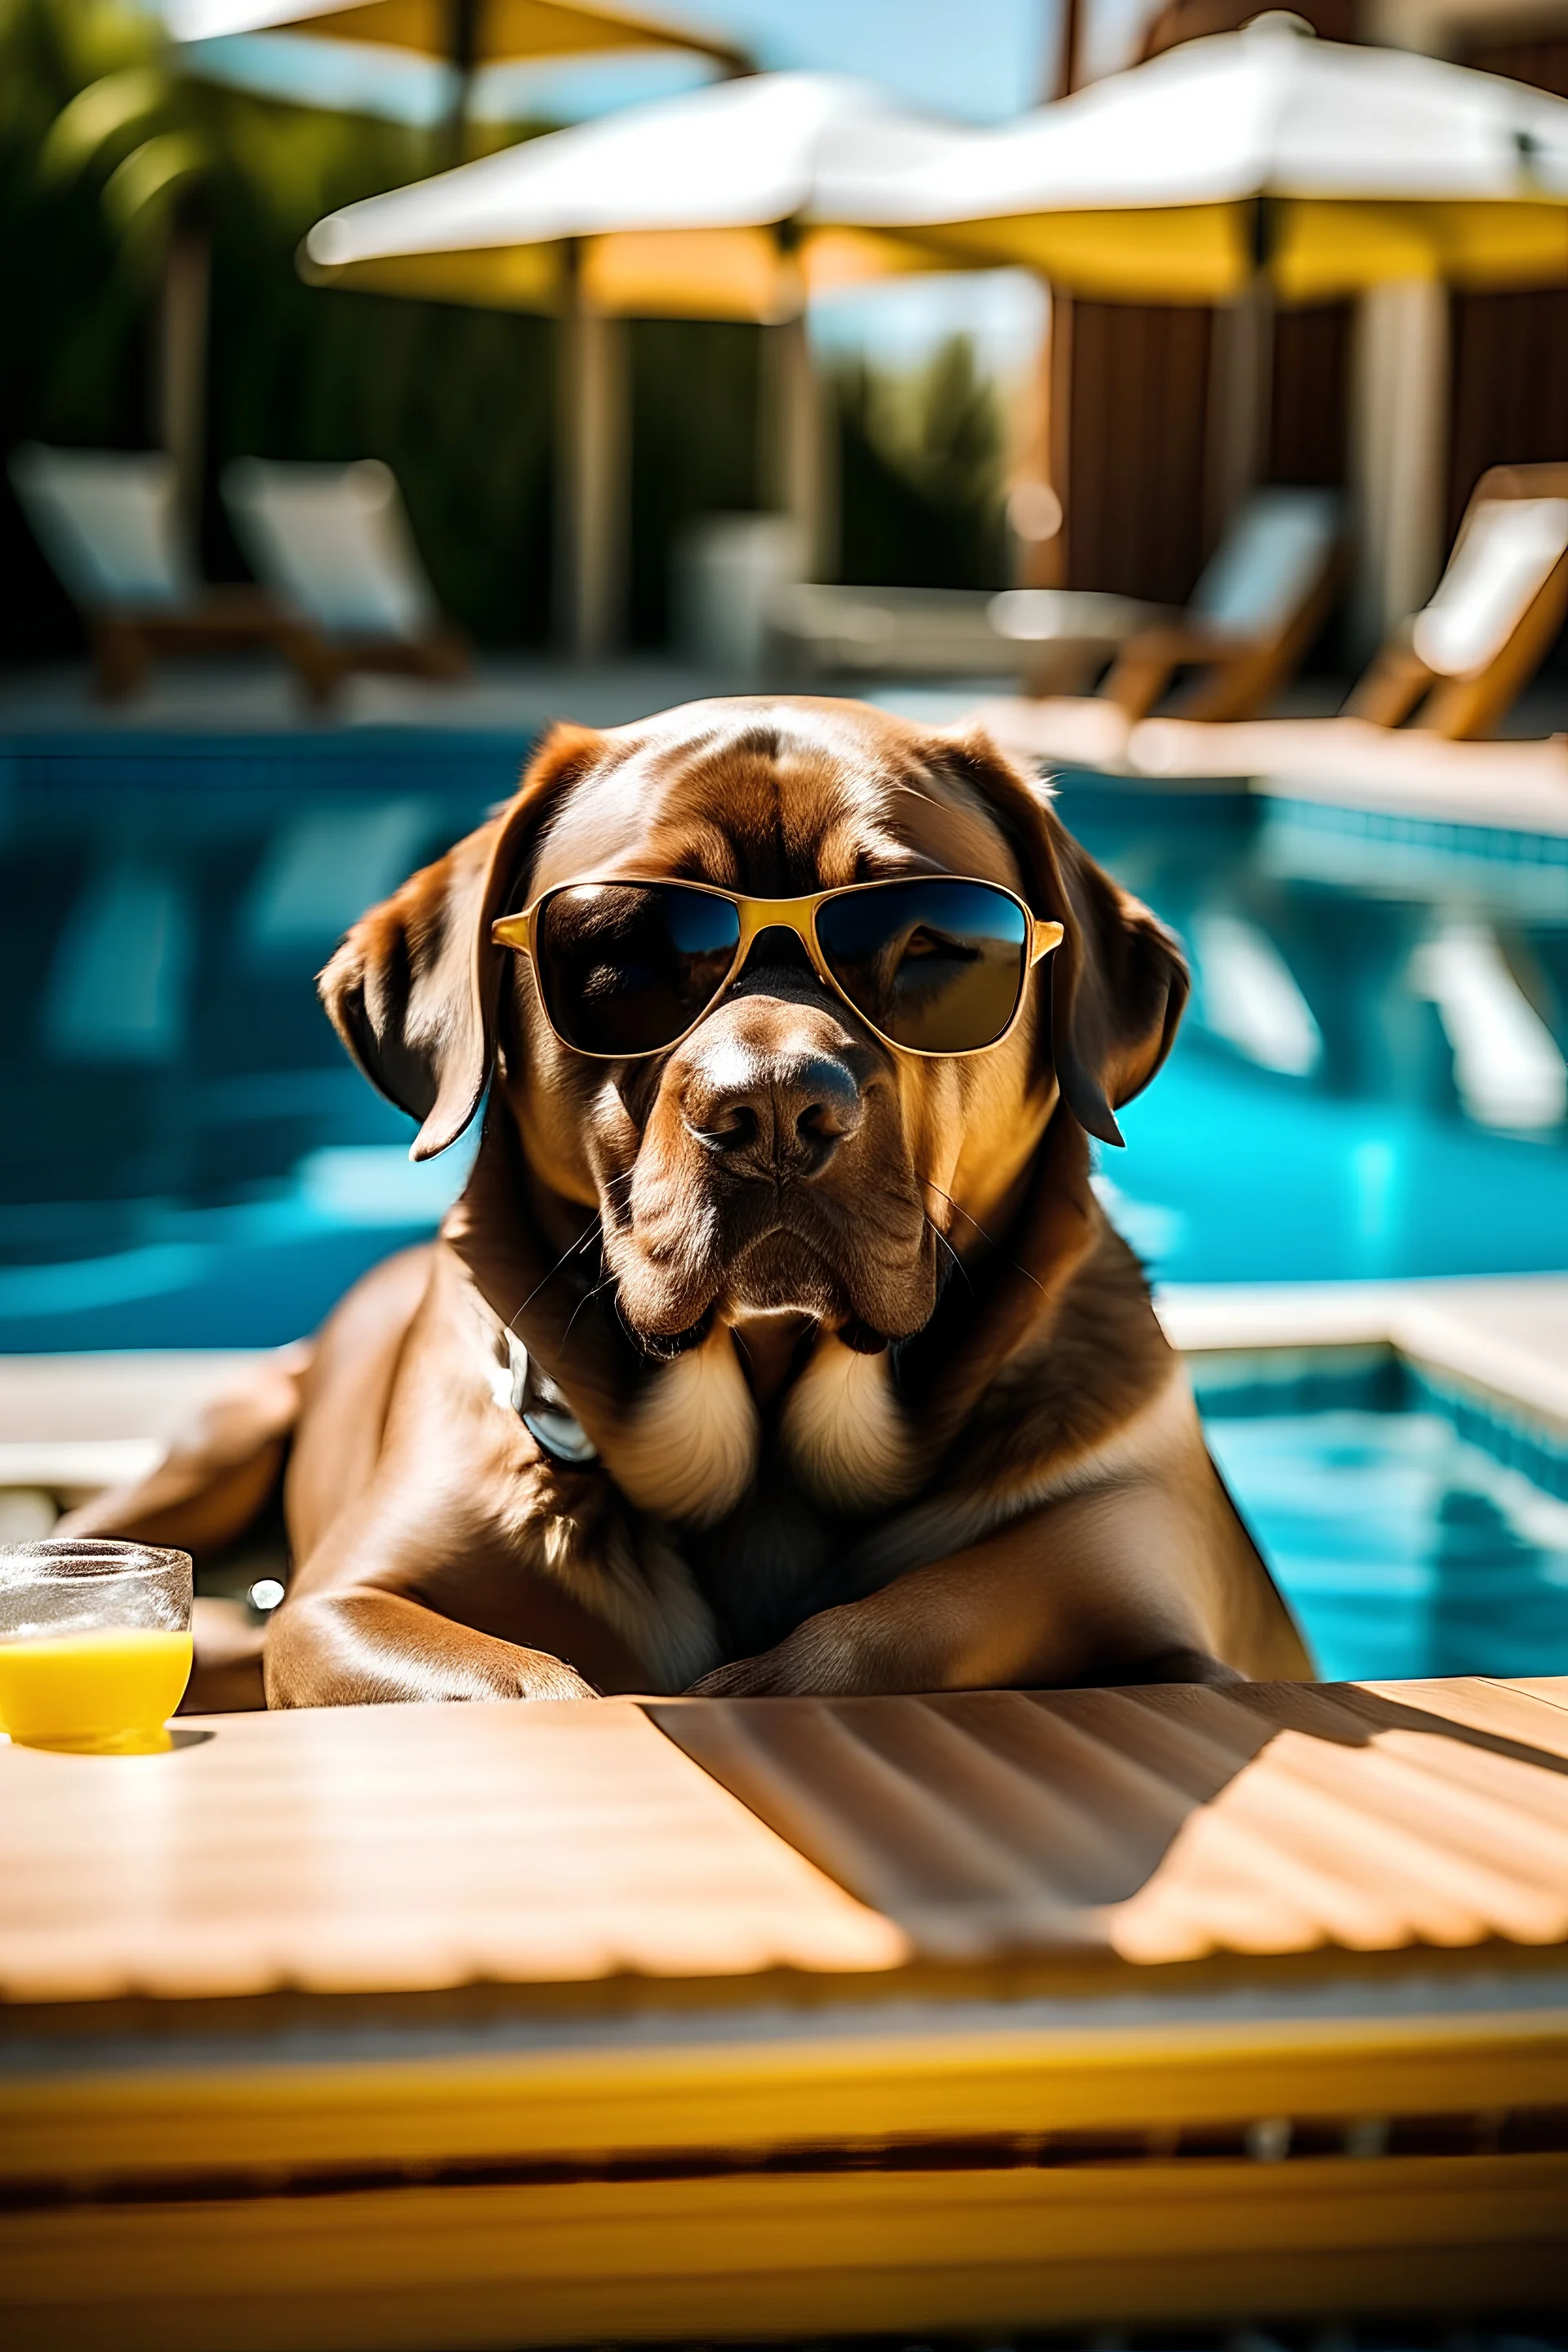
[1399,455]
[1241,378]
[798,443]
[590,476]
[463,52]
[1241,402]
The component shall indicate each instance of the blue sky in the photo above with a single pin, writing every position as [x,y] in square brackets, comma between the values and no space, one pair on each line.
[982,58]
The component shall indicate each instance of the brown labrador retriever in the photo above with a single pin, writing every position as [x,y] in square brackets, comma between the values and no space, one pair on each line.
[774,1356]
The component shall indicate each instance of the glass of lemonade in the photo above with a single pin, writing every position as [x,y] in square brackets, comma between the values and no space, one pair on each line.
[95,1644]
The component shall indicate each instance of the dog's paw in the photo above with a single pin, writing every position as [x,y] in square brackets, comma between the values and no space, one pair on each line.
[540,1676]
[832,1656]
[745,1678]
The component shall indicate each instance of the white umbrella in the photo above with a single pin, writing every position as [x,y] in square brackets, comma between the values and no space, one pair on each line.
[723,204]
[1265,165]
[1328,168]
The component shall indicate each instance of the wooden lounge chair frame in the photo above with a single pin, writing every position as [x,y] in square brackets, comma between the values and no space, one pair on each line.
[1243,673]
[1399,686]
[323,662]
[124,644]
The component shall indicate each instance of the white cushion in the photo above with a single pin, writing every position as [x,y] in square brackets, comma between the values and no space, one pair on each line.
[107,520]
[1268,562]
[727,572]
[333,541]
[1503,558]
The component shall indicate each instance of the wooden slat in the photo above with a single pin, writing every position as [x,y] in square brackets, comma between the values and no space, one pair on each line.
[399,1849]
[941,2078]
[1164,1824]
[408,1849]
[1553,1688]
[785,2256]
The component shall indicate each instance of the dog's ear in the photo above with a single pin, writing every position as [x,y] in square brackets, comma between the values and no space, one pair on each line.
[414,989]
[1119,981]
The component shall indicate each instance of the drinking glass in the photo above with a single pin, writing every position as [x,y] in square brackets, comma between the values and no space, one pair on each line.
[95,1644]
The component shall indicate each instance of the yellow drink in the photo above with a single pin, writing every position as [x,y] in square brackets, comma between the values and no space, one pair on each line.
[114,1688]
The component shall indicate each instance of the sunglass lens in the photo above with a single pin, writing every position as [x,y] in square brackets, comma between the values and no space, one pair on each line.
[625,968]
[937,966]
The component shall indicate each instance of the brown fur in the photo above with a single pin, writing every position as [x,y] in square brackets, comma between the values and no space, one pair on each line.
[879,1400]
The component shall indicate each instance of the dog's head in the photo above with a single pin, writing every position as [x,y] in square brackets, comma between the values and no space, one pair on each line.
[780,1156]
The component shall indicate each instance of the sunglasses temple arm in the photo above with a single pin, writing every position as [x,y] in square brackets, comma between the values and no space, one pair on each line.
[502,935]
[1047,937]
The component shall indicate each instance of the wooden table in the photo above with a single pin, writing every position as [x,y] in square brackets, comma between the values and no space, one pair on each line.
[503,2025]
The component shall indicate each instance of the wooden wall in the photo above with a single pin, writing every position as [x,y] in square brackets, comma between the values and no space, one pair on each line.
[1132,456]
[1130,397]
[1309,421]
[1137,400]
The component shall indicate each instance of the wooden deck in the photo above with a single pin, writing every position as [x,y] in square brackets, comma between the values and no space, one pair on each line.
[499,2025]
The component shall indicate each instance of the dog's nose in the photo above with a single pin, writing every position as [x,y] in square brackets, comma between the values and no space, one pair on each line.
[772,1114]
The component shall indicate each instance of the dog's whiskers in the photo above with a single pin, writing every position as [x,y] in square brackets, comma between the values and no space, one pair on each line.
[586,1300]
[635,1336]
[932,1186]
[958,1262]
[594,1234]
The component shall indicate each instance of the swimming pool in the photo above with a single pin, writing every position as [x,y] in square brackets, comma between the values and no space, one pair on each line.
[1415,1530]
[1370,1078]
[1370,1081]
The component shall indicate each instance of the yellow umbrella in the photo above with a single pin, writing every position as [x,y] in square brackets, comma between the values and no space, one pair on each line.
[1323,169]
[465,34]
[489,32]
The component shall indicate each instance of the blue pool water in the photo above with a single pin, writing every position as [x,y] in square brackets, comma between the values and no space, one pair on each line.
[190,1160]
[1370,1081]
[1403,1550]
[1414,1534]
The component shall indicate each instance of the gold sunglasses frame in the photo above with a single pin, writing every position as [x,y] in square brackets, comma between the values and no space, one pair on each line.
[520,934]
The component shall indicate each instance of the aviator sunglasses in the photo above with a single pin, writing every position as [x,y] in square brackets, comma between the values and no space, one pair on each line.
[934,963]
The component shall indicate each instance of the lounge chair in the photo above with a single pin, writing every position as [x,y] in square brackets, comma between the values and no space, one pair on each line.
[1450,672]
[1260,603]
[107,521]
[1457,667]
[858,632]
[333,545]
[1257,609]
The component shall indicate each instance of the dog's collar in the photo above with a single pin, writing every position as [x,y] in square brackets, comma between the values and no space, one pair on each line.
[539,1406]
